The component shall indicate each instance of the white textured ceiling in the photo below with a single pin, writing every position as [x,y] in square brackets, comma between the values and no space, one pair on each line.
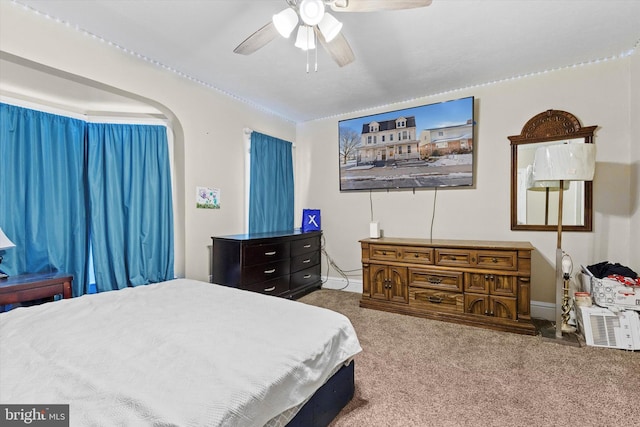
[400,55]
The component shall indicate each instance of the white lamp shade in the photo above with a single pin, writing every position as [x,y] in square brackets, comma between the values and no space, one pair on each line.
[5,243]
[285,22]
[311,11]
[567,264]
[330,27]
[569,162]
[533,185]
[305,39]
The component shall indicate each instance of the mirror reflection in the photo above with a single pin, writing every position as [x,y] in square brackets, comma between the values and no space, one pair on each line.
[537,201]
[534,204]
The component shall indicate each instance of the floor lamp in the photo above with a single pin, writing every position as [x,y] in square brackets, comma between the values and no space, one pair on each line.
[547,187]
[563,162]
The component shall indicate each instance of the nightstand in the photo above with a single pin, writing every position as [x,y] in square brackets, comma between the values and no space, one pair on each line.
[29,287]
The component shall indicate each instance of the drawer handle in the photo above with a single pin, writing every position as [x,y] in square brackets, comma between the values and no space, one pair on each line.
[435,300]
[384,252]
[307,246]
[307,276]
[271,289]
[306,261]
[416,255]
[273,270]
[270,253]
[434,280]
[494,260]
[452,258]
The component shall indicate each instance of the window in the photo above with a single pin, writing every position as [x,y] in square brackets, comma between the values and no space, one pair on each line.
[92,154]
[390,137]
[408,149]
[369,139]
[399,149]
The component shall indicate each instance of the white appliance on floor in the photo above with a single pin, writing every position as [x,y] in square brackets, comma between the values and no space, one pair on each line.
[602,327]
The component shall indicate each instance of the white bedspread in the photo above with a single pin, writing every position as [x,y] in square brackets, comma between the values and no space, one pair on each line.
[181,353]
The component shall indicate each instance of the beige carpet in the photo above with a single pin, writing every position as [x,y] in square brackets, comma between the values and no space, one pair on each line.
[420,372]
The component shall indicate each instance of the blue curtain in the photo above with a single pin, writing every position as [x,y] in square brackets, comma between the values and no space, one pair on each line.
[64,182]
[131,207]
[42,190]
[271,184]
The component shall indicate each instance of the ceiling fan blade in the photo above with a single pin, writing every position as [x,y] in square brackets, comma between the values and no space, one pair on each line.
[257,40]
[338,48]
[376,5]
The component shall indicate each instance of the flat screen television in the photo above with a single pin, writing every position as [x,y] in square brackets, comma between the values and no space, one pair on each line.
[421,147]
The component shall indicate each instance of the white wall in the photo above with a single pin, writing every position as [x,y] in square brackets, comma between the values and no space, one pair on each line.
[598,94]
[208,125]
[634,144]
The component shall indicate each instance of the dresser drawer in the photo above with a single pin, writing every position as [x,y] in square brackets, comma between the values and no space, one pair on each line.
[260,254]
[384,253]
[435,279]
[454,257]
[500,260]
[303,261]
[264,272]
[275,286]
[417,255]
[496,284]
[305,277]
[432,299]
[300,246]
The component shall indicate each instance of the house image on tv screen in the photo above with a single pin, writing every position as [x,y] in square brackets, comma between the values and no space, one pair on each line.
[388,141]
[425,146]
[446,140]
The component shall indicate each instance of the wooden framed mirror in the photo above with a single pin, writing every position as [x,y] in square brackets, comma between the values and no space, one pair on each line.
[534,204]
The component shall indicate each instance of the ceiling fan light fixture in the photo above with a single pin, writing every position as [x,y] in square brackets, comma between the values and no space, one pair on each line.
[285,22]
[329,27]
[311,11]
[305,39]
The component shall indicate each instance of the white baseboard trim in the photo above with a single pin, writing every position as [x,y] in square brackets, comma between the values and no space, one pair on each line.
[543,310]
[539,309]
[353,285]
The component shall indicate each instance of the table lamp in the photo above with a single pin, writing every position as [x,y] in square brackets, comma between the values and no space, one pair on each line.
[5,243]
[563,162]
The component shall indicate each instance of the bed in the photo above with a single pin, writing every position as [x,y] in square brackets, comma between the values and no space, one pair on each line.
[177,353]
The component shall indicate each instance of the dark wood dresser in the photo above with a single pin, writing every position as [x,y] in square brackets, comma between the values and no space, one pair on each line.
[285,264]
[35,286]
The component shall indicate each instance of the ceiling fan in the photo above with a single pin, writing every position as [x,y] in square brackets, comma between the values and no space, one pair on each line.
[315,23]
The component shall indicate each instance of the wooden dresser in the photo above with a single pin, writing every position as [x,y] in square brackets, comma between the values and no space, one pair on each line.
[282,264]
[479,283]
[34,288]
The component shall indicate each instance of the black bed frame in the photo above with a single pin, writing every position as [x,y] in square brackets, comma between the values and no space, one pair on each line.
[328,400]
